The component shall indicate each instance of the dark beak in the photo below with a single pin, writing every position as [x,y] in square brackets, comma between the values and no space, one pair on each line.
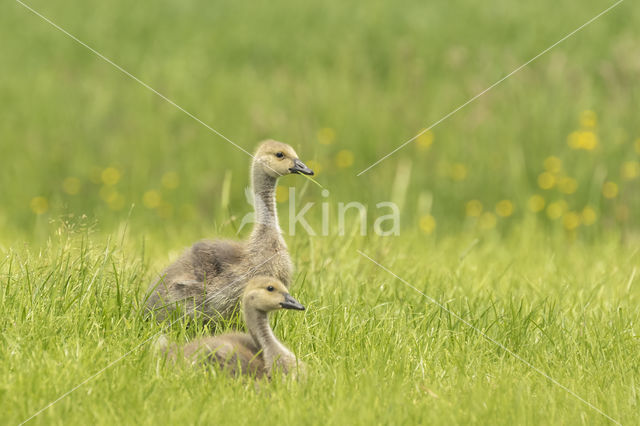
[291,303]
[300,167]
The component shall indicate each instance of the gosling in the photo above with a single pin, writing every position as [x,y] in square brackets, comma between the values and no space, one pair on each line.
[210,276]
[257,353]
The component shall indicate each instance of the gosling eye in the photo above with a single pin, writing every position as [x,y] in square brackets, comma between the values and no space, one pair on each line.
[280,154]
[270,288]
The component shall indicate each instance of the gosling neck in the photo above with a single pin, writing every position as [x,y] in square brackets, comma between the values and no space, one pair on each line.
[264,201]
[260,329]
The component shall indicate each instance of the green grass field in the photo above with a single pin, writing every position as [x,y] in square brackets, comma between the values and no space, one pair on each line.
[519,213]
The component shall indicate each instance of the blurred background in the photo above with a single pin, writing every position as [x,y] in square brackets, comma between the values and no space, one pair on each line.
[556,145]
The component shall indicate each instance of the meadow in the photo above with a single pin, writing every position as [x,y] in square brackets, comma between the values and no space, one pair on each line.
[518,213]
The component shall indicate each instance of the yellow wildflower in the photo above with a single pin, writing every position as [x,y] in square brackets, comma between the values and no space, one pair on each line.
[567,185]
[344,158]
[610,190]
[113,198]
[553,164]
[282,194]
[107,193]
[588,119]
[556,209]
[110,176]
[425,140]
[536,203]
[504,208]
[71,185]
[427,224]
[571,220]
[151,199]
[546,180]
[170,180]
[116,202]
[326,136]
[574,140]
[630,170]
[487,220]
[474,208]
[588,140]
[39,205]
[589,216]
[458,172]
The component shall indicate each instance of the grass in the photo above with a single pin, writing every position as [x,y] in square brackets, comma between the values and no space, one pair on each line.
[378,350]
[518,213]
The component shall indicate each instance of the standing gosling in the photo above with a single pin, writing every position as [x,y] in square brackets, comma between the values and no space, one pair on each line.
[209,278]
[257,353]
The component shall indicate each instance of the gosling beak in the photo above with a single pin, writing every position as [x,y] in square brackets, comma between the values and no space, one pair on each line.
[300,167]
[291,303]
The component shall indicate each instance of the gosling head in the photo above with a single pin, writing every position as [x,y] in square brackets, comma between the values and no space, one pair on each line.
[279,159]
[268,294]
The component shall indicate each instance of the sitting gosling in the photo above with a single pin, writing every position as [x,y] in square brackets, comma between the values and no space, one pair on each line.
[257,353]
[209,278]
